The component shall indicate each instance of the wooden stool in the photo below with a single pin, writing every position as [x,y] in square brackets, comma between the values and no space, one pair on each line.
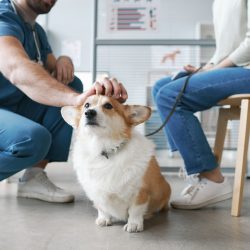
[238,108]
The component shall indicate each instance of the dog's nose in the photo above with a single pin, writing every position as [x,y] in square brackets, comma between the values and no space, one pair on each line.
[90,113]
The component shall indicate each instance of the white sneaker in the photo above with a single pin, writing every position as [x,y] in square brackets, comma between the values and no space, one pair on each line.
[203,193]
[40,187]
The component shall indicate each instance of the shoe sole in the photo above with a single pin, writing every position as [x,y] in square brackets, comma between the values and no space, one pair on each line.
[44,198]
[203,204]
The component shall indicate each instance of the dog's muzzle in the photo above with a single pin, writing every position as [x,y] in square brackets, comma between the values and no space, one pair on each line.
[90,115]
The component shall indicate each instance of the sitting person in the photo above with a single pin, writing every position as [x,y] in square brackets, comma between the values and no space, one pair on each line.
[227,73]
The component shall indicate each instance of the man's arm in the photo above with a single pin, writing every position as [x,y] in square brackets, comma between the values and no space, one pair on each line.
[33,79]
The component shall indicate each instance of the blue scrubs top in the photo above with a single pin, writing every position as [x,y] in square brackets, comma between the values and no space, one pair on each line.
[13,25]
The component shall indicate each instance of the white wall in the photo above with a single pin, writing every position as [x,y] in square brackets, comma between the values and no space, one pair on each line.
[72,21]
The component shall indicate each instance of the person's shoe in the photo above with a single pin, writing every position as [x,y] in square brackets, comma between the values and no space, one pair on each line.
[204,193]
[40,187]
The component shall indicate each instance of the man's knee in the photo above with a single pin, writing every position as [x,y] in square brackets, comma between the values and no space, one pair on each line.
[26,149]
[33,146]
[76,84]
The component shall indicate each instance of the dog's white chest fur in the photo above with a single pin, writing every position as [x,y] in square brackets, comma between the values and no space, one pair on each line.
[112,183]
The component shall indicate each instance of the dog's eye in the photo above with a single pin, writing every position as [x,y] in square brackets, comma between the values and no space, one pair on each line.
[86,106]
[107,106]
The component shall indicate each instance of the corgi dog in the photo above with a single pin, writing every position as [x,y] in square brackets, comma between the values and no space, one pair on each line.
[114,163]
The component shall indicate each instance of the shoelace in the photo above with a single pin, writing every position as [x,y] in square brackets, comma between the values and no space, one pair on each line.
[192,190]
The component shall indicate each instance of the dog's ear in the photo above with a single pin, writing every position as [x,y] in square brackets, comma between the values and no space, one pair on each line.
[71,115]
[137,114]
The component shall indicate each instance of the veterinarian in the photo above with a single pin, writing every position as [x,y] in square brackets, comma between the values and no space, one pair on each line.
[227,73]
[33,87]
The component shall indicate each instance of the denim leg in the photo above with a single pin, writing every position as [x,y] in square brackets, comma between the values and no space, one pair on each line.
[50,118]
[23,143]
[31,132]
[158,85]
[204,90]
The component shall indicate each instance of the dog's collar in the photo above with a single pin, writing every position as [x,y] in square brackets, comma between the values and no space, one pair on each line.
[109,152]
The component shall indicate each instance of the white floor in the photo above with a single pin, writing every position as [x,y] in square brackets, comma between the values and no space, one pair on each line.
[35,225]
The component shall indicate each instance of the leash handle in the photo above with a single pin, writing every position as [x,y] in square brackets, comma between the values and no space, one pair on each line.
[178,98]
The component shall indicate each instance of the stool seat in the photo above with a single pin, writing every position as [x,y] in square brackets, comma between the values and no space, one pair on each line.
[234,100]
[235,107]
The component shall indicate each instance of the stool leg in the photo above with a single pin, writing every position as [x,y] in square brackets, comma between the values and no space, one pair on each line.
[241,159]
[220,135]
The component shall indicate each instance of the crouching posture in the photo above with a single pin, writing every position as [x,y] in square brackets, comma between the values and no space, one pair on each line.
[114,163]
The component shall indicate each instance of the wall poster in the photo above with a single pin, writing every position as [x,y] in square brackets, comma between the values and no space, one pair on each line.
[133,15]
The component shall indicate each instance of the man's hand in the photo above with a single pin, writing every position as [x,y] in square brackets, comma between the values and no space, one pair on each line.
[111,87]
[64,70]
[108,87]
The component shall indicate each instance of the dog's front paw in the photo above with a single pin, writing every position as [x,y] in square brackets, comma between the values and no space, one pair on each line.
[133,227]
[103,222]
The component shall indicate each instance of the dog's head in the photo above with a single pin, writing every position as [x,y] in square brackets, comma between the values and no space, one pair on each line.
[104,115]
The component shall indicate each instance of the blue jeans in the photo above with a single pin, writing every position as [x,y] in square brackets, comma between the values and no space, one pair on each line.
[31,132]
[204,91]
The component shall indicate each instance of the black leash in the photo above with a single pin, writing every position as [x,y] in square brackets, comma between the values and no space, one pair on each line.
[178,98]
